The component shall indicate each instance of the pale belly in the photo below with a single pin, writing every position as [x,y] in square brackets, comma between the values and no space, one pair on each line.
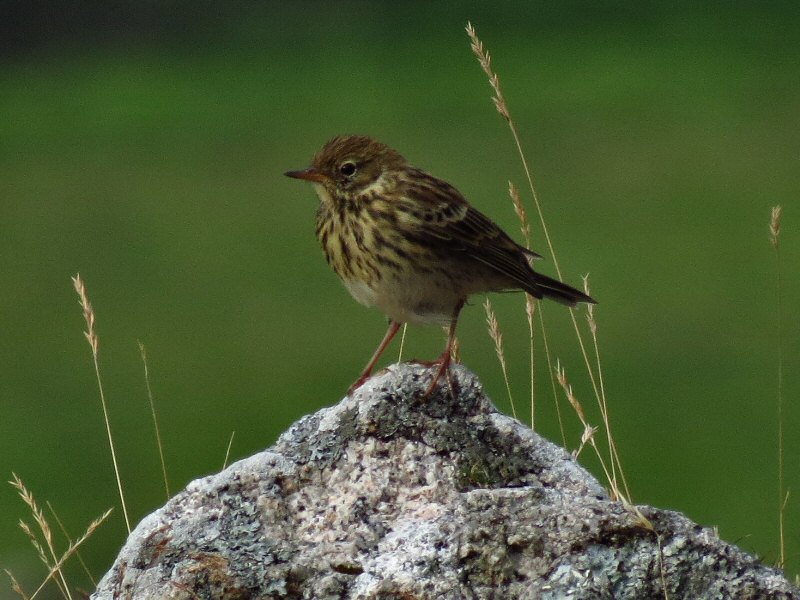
[417,299]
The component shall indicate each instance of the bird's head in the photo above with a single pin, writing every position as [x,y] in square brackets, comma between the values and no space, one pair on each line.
[349,165]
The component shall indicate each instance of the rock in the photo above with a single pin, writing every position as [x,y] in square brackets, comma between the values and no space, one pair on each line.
[390,496]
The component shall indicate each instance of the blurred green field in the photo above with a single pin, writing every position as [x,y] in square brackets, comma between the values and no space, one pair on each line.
[659,137]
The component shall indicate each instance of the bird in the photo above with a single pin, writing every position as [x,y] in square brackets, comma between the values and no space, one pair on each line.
[410,244]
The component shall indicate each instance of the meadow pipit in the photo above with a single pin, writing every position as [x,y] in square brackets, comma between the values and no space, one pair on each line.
[410,244]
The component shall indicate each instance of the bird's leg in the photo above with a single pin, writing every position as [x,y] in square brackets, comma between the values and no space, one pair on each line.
[390,333]
[444,360]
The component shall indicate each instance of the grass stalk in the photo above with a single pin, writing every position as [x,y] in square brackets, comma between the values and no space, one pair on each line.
[143,353]
[91,337]
[228,451]
[46,550]
[455,351]
[661,567]
[530,301]
[69,542]
[551,370]
[484,59]
[588,437]
[402,342]
[55,567]
[15,586]
[72,549]
[497,336]
[530,310]
[612,445]
[783,494]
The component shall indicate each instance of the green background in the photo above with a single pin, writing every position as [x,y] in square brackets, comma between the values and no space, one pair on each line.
[144,146]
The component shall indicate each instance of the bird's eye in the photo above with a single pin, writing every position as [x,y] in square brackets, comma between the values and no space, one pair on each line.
[348,168]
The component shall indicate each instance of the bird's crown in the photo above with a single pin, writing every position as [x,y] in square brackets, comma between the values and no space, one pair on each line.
[351,163]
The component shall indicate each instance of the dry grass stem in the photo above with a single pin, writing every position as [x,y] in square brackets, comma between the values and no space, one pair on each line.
[42,549]
[15,586]
[524,225]
[590,311]
[497,337]
[530,311]
[530,303]
[88,313]
[402,342]
[69,541]
[455,351]
[587,436]
[552,371]
[561,377]
[661,568]
[26,529]
[30,502]
[616,464]
[143,353]
[783,495]
[91,336]
[228,451]
[73,547]
[484,59]
[782,515]
[775,225]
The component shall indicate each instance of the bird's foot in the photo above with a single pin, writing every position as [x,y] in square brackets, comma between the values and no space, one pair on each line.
[359,382]
[442,365]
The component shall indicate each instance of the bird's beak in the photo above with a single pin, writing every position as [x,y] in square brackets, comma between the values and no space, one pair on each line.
[309,174]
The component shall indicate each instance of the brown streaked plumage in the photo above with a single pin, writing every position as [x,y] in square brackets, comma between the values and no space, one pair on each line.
[410,244]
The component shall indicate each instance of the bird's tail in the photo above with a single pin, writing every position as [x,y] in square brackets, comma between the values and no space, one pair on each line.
[547,287]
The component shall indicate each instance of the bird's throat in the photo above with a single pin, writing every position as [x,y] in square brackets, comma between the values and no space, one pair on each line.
[324,195]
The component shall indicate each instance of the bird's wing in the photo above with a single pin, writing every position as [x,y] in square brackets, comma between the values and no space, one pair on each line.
[479,237]
[448,221]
